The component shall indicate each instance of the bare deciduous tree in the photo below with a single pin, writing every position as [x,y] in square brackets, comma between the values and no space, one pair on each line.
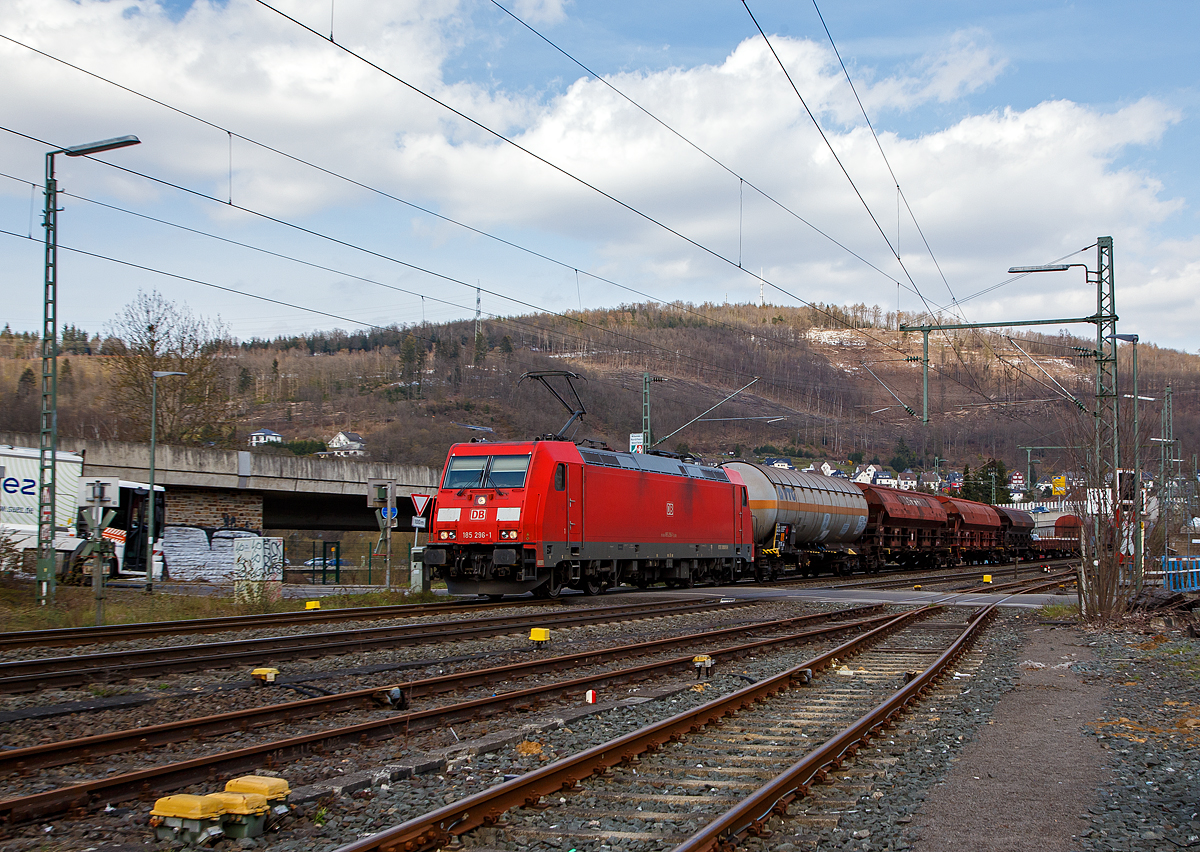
[160,335]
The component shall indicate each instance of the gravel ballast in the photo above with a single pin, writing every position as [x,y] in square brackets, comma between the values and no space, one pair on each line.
[1117,722]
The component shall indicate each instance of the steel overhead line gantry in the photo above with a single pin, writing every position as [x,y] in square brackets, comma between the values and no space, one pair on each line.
[926,329]
[1106,448]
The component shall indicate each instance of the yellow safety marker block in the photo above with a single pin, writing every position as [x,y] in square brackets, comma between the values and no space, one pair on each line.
[265,675]
[539,634]
[270,788]
[987,578]
[312,604]
[187,806]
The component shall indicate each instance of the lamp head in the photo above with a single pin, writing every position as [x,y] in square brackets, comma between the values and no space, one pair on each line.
[158,374]
[1128,338]
[102,145]
[1044,267]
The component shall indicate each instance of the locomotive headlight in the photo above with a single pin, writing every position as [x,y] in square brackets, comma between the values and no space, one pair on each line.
[508,534]
[446,535]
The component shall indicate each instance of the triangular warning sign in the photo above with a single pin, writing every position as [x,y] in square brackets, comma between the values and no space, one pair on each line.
[420,501]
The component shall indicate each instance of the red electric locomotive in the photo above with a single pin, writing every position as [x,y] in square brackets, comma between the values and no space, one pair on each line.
[544,515]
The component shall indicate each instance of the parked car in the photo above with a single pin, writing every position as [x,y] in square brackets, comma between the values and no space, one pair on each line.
[329,563]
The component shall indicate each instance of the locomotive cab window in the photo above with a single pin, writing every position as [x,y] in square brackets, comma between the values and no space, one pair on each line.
[486,472]
[560,477]
[507,471]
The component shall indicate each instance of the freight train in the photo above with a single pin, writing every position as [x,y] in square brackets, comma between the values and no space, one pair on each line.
[541,516]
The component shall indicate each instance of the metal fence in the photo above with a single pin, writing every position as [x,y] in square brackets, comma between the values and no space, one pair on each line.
[1181,573]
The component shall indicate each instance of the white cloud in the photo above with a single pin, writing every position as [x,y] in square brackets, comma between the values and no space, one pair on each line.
[541,11]
[990,190]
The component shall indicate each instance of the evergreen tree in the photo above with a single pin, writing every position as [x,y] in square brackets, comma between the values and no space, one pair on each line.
[245,380]
[27,383]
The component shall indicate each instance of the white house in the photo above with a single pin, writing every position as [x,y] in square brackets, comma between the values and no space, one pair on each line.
[886,479]
[346,444]
[866,473]
[264,436]
[908,481]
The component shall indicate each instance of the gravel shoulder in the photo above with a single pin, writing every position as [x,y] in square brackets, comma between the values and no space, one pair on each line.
[1032,770]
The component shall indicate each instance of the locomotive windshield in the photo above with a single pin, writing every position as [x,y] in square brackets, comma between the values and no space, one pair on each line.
[486,472]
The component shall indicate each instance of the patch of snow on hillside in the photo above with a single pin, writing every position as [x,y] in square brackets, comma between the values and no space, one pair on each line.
[836,336]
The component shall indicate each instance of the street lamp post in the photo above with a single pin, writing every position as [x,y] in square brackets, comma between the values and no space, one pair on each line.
[155,375]
[48,425]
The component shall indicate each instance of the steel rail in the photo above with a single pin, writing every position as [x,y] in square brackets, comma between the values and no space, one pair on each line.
[897,578]
[751,814]
[439,827]
[45,755]
[149,782]
[1029,585]
[71,636]
[26,675]
[933,578]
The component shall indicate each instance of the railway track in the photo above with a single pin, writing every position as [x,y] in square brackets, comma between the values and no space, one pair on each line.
[40,673]
[706,778]
[74,636]
[906,579]
[159,779]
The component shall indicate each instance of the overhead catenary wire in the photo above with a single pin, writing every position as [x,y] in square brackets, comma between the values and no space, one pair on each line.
[825,138]
[373,189]
[283,303]
[381,256]
[878,144]
[441,216]
[421,269]
[742,180]
[392,197]
[521,323]
[559,169]
[514,321]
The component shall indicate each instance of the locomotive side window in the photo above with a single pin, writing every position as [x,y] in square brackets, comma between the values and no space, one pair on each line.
[745,501]
[560,477]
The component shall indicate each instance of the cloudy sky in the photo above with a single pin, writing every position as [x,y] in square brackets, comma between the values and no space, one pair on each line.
[434,146]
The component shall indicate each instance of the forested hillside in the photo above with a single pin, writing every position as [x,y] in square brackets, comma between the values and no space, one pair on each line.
[830,382]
